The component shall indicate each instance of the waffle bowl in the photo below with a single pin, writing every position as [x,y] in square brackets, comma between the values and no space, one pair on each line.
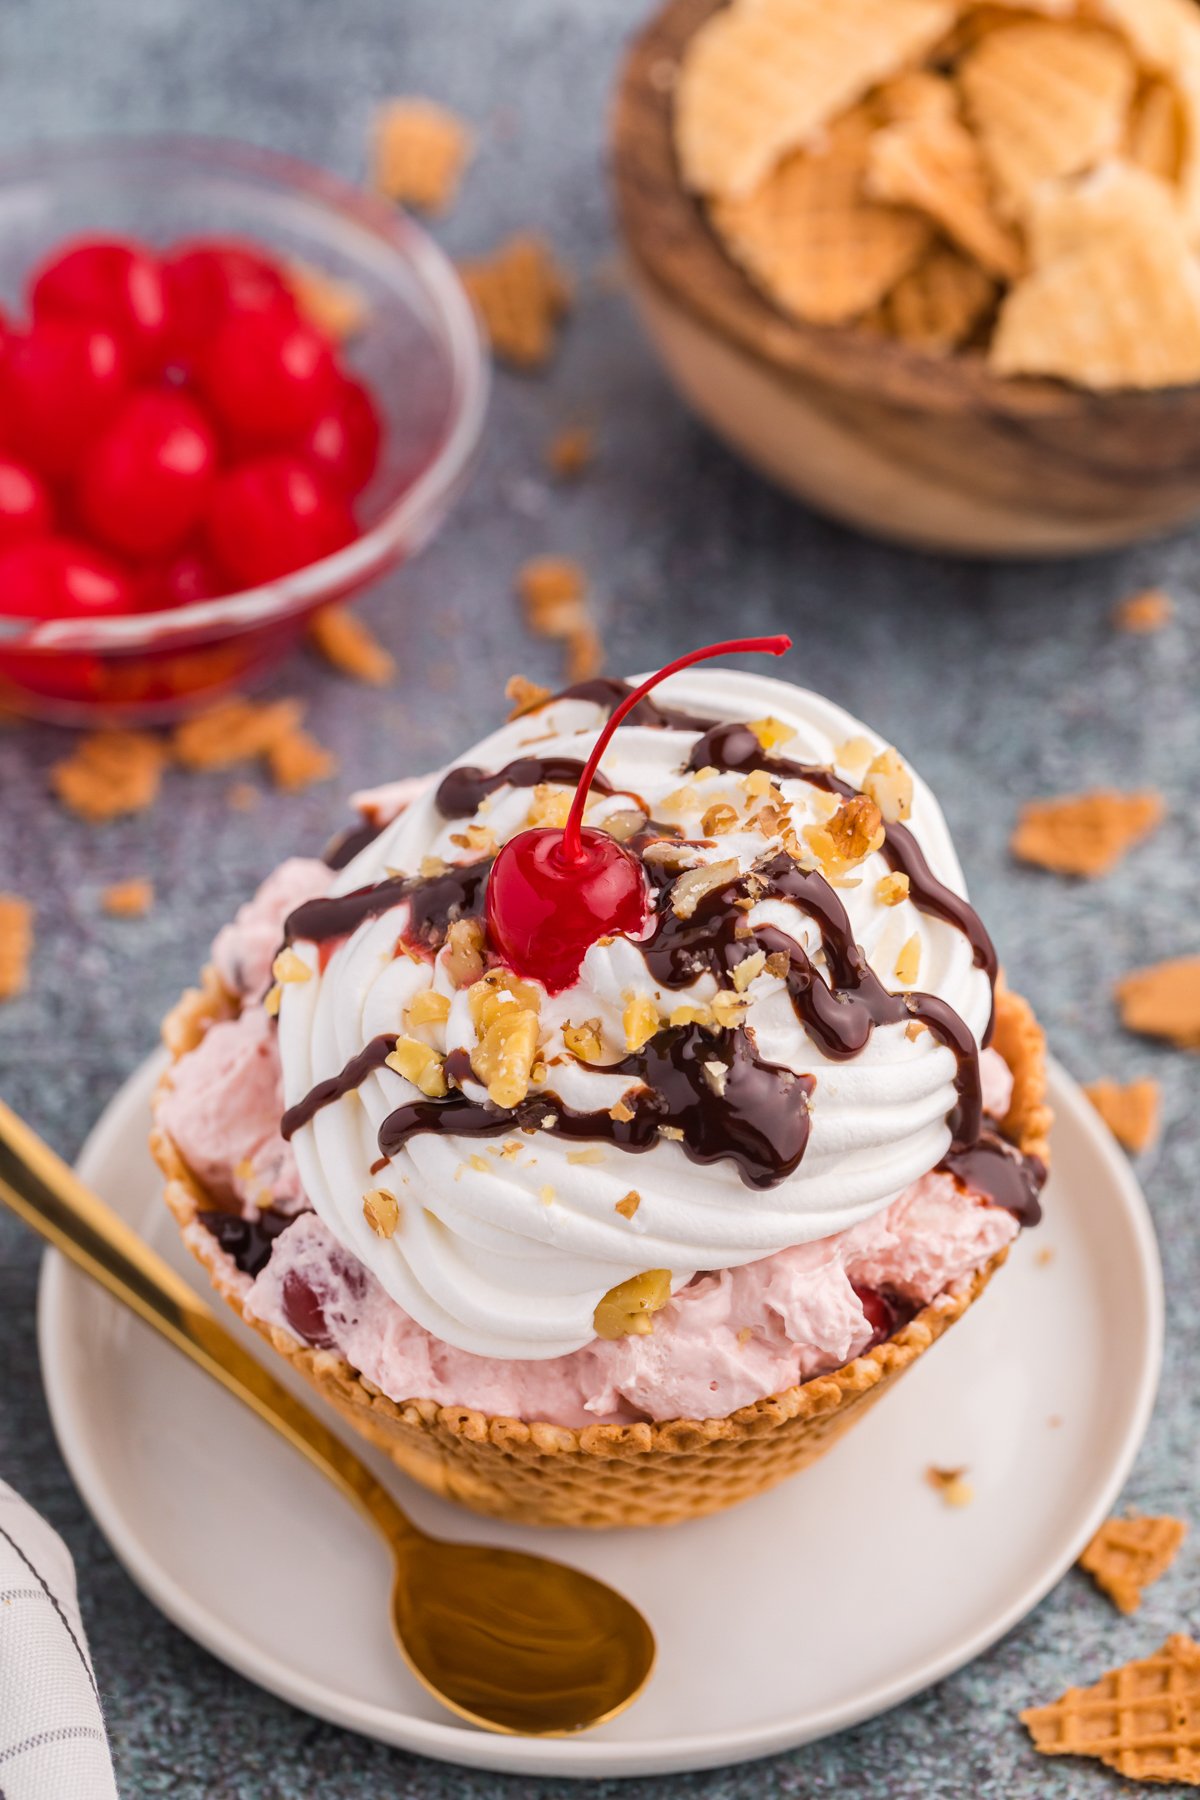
[605,1475]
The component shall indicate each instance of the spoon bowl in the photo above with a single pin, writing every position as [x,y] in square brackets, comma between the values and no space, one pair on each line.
[517,1643]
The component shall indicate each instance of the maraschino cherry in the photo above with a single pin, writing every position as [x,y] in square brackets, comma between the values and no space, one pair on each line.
[551,894]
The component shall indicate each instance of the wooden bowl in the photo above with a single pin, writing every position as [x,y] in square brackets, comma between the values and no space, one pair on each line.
[934,452]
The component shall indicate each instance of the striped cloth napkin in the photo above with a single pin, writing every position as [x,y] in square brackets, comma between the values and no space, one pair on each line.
[52,1740]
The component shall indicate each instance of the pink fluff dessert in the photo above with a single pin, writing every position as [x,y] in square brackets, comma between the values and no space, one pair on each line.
[754,1146]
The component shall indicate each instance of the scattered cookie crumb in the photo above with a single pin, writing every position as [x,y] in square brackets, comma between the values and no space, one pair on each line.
[1045,1256]
[1145,612]
[1084,834]
[629,1205]
[951,1484]
[128,899]
[350,646]
[526,696]
[296,761]
[420,152]
[1139,1720]
[234,731]
[571,452]
[16,945]
[521,294]
[1131,1112]
[1163,1001]
[1128,1555]
[335,307]
[110,773]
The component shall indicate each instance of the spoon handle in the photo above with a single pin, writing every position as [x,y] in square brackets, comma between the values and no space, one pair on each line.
[40,1188]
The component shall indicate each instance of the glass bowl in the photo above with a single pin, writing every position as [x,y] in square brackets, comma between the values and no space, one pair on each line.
[419,351]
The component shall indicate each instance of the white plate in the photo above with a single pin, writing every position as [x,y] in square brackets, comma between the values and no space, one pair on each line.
[1043,1391]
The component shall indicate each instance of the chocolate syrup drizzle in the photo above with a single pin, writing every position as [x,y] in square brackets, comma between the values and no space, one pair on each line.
[248,1242]
[717,1093]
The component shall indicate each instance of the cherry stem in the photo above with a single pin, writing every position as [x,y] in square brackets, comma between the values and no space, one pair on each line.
[571,851]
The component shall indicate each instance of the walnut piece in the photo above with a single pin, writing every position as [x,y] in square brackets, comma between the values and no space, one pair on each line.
[627,1310]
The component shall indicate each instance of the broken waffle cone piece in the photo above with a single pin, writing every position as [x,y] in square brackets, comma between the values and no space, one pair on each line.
[1128,1555]
[419,153]
[1130,1112]
[521,294]
[762,78]
[814,242]
[933,164]
[938,305]
[349,646]
[1085,834]
[1163,1001]
[1156,132]
[1047,98]
[1142,1720]
[130,899]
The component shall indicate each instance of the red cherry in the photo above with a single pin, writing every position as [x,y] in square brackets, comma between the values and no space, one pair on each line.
[552,893]
[881,1315]
[60,383]
[26,509]
[107,282]
[145,482]
[55,578]
[343,443]
[272,516]
[268,376]
[191,577]
[211,278]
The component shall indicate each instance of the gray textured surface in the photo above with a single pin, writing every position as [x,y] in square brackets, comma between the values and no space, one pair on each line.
[1000,683]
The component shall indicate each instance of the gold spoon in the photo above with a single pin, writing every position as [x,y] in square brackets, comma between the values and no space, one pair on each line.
[512,1642]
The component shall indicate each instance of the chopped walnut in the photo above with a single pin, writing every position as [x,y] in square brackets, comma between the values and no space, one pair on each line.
[639,1020]
[462,958]
[629,1205]
[719,819]
[890,785]
[728,1009]
[758,784]
[381,1210]
[771,733]
[778,964]
[500,989]
[584,1040]
[892,889]
[428,1008]
[477,839]
[908,963]
[421,1065]
[588,1158]
[549,805]
[623,824]
[503,1058]
[690,1014]
[749,969]
[526,696]
[854,756]
[693,884]
[271,1000]
[717,1076]
[622,1112]
[627,1310]
[289,967]
[670,855]
[855,831]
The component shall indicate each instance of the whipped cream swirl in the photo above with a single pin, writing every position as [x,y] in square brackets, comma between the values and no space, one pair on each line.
[504,1246]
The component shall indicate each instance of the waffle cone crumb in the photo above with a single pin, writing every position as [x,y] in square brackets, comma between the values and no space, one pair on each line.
[521,295]
[1131,1112]
[128,899]
[420,152]
[1085,834]
[1127,1555]
[1144,613]
[16,944]
[337,308]
[1142,1720]
[110,773]
[350,646]
[603,1476]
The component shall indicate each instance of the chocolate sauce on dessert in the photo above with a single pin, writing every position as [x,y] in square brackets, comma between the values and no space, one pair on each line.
[462,791]
[247,1241]
[435,903]
[735,749]
[343,848]
[998,1170]
[717,1094]
[607,691]
[371,1057]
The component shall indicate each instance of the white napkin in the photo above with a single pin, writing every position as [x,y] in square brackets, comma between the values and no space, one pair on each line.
[52,1740]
